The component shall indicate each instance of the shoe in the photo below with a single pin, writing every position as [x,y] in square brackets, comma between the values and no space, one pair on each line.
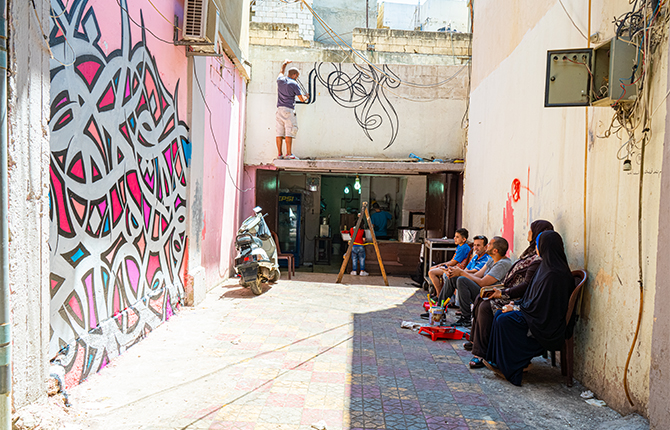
[476,363]
[364,273]
[280,157]
[458,313]
[291,157]
[353,272]
[463,322]
[425,316]
[467,346]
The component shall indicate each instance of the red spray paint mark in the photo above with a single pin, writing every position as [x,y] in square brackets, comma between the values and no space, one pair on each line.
[516,190]
[508,223]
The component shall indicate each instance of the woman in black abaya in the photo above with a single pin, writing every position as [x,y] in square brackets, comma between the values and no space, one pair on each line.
[515,284]
[524,330]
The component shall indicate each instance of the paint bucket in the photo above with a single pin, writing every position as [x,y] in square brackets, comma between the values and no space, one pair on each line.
[436,313]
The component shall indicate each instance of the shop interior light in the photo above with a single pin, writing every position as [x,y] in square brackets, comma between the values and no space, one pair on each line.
[357,184]
[347,190]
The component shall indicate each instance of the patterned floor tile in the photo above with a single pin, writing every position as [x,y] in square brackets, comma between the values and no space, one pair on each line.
[486,424]
[479,412]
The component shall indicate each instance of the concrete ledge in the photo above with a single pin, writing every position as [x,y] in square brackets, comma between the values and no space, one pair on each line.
[352,166]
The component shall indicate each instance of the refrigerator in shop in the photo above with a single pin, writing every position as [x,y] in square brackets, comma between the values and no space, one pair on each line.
[289,225]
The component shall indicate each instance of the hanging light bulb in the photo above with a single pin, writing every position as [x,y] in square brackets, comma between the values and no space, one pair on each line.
[357,184]
[347,190]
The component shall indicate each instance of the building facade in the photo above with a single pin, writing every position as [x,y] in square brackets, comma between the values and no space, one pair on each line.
[567,165]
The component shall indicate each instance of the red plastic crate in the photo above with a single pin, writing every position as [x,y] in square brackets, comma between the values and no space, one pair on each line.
[437,333]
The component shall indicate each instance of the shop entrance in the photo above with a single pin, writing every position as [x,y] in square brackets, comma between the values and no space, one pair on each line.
[312,209]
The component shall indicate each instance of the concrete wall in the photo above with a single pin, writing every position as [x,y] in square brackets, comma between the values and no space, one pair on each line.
[330,128]
[343,16]
[454,45]
[511,136]
[28,100]
[277,11]
[452,14]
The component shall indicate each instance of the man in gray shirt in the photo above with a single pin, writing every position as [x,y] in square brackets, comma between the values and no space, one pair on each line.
[469,284]
[286,123]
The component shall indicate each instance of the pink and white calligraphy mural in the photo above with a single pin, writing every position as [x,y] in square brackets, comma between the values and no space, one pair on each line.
[119,153]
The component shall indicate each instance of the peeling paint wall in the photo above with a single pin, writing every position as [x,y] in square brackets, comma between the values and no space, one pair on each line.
[28,165]
[526,162]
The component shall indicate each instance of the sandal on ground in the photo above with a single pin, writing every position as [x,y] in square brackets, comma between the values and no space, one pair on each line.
[425,316]
[493,369]
[467,346]
[476,363]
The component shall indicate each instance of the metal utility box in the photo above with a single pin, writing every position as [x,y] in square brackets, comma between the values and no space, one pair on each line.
[601,76]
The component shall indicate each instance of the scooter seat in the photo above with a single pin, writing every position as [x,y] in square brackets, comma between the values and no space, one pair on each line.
[244,241]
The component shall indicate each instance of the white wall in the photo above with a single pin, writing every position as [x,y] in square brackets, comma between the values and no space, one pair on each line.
[512,136]
[435,14]
[399,16]
[328,130]
[29,202]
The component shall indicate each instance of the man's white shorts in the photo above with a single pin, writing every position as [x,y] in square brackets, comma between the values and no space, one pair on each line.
[287,124]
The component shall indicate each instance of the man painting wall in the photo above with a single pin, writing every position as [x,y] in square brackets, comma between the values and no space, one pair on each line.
[287,123]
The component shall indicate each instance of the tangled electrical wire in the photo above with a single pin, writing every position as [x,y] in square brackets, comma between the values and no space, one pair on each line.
[644,27]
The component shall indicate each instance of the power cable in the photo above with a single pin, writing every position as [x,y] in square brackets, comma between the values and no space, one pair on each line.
[216,142]
[572,20]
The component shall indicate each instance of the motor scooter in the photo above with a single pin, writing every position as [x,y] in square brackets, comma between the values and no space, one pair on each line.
[256,260]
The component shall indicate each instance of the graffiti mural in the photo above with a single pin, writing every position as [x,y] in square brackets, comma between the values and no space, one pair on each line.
[119,154]
[363,90]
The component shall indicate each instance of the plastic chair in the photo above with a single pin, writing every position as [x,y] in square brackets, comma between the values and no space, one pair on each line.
[290,261]
[568,349]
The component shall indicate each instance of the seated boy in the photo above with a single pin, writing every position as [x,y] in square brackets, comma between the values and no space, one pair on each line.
[460,257]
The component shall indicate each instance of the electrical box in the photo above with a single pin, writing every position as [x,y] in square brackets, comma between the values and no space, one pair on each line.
[602,76]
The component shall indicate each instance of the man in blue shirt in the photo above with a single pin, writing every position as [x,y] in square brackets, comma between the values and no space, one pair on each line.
[287,124]
[478,260]
[379,220]
[460,257]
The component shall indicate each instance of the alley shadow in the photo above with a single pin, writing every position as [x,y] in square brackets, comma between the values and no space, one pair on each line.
[237,291]
[402,380]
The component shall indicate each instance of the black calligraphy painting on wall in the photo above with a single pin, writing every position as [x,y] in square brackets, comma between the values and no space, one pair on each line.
[363,89]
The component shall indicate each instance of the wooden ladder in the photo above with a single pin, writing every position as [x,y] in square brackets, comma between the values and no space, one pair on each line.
[351,245]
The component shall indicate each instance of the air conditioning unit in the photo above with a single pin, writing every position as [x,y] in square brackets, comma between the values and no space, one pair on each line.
[200,22]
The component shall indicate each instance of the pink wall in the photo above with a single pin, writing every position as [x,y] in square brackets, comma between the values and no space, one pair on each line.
[171,59]
[225,92]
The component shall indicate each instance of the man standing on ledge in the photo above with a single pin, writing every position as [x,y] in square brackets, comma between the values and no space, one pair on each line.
[287,124]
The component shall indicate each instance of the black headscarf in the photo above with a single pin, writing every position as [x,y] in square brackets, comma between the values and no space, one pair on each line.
[545,303]
[536,228]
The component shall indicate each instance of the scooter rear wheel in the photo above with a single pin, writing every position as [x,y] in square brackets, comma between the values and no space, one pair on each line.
[256,286]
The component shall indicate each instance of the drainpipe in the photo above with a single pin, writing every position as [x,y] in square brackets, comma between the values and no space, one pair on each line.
[5,338]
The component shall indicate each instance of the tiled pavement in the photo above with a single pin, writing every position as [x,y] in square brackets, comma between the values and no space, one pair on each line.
[310,350]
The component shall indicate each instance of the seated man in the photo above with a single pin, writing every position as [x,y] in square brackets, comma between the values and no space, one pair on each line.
[477,261]
[460,257]
[469,284]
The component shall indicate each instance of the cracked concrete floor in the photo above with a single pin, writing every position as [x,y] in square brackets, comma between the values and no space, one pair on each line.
[310,350]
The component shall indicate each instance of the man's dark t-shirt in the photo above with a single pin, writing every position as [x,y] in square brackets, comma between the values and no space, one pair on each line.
[287,89]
